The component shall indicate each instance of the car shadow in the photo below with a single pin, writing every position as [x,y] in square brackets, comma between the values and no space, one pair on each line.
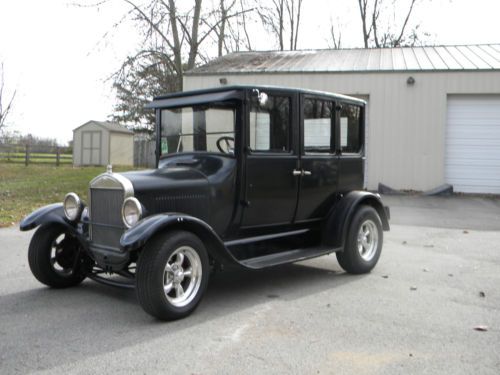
[43,328]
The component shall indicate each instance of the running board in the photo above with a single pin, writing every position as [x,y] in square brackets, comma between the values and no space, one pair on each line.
[287,257]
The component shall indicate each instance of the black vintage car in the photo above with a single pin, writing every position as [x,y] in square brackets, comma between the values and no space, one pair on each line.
[252,177]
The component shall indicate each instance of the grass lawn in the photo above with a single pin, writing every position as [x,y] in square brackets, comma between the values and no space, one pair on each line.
[24,189]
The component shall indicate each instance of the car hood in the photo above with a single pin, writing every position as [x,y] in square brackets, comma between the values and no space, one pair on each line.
[171,189]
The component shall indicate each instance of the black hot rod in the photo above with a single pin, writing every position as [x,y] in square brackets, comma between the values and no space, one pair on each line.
[247,176]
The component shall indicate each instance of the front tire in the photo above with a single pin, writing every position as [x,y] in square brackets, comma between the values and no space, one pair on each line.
[172,275]
[363,243]
[54,257]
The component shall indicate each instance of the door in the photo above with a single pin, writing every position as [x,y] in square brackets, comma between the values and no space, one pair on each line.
[271,188]
[472,162]
[319,163]
[91,147]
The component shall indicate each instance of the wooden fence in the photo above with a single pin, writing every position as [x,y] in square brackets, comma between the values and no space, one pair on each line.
[144,153]
[35,154]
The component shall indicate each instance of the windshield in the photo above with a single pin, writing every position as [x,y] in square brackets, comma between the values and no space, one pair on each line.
[197,128]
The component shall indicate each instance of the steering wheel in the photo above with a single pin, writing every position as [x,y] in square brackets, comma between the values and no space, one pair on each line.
[227,144]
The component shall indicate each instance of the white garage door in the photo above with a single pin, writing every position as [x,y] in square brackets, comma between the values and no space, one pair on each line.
[473,143]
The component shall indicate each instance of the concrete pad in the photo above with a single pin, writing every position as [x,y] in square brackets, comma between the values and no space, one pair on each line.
[415,313]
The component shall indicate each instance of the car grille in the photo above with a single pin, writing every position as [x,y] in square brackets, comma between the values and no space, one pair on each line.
[106,226]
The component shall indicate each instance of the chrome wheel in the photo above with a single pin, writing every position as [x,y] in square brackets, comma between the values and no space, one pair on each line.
[55,257]
[367,240]
[62,255]
[182,276]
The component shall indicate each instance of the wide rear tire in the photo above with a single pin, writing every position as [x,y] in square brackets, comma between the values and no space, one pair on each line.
[172,275]
[54,257]
[363,243]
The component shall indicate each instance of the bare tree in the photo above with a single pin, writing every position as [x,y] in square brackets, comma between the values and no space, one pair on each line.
[5,102]
[221,30]
[282,18]
[173,33]
[335,38]
[379,24]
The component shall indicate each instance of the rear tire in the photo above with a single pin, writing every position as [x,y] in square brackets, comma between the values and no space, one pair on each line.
[54,257]
[363,243]
[172,275]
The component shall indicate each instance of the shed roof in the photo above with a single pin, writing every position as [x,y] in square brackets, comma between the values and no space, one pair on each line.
[434,58]
[112,127]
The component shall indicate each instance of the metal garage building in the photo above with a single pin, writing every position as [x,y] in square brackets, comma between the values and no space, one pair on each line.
[102,143]
[433,112]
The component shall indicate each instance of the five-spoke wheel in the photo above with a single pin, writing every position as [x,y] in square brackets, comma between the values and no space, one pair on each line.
[55,257]
[182,276]
[172,275]
[367,240]
[363,243]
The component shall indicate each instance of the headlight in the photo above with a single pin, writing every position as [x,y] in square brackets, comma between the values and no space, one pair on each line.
[72,206]
[131,211]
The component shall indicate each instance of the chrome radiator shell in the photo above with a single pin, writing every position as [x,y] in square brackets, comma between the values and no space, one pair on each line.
[106,195]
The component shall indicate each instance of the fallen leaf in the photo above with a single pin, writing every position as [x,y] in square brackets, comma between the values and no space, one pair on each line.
[413,288]
[482,294]
[481,328]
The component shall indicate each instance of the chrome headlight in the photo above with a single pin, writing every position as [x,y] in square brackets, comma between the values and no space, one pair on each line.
[131,211]
[73,206]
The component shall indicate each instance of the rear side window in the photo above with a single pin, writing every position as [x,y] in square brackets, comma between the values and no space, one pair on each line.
[270,125]
[350,128]
[318,125]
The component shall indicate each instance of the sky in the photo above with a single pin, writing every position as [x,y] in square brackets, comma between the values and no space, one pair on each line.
[59,56]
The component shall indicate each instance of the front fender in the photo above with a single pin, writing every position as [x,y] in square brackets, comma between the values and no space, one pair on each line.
[138,235]
[53,213]
[338,220]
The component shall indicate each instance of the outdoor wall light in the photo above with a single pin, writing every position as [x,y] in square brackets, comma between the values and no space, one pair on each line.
[410,81]
[223,81]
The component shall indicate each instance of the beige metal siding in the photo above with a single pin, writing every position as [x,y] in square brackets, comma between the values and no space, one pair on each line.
[407,124]
[121,148]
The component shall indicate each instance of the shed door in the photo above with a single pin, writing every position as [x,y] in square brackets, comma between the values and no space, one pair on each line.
[91,148]
[473,143]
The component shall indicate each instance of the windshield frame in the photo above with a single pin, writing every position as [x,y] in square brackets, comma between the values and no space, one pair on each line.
[234,105]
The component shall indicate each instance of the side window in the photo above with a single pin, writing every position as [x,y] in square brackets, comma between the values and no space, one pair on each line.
[350,128]
[318,124]
[270,125]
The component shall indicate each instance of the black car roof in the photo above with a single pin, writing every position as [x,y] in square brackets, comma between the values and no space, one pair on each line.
[234,92]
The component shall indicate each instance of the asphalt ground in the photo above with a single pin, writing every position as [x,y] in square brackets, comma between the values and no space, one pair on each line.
[415,313]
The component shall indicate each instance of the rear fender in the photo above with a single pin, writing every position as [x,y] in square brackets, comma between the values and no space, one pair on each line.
[137,236]
[53,213]
[340,217]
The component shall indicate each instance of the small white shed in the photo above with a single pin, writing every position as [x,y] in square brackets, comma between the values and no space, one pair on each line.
[102,143]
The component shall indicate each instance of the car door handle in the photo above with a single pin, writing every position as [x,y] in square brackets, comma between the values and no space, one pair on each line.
[301,172]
